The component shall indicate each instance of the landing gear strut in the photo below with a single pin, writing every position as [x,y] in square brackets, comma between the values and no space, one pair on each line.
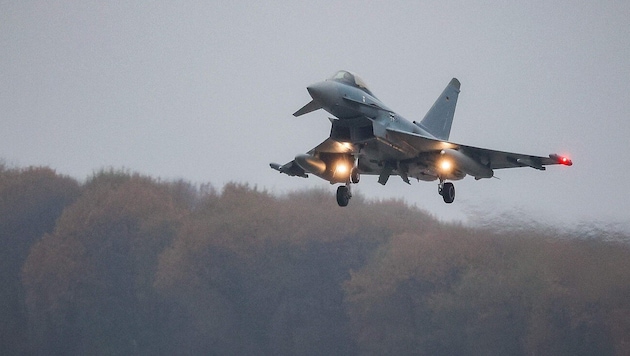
[343,195]
[447,191]
[355,176]
[343,191]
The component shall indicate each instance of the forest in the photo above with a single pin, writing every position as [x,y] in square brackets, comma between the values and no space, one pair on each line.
[126,264]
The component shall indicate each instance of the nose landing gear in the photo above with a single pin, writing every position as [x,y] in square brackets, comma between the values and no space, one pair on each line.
[355,176]
[343,195]
[343,191]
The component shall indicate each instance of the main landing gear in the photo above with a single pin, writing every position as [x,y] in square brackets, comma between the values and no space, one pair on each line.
[343,191]
[447,191]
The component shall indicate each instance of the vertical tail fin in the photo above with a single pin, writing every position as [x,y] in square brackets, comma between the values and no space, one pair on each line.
[439,118]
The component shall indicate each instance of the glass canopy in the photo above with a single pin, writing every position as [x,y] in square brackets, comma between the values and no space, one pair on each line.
[346,77]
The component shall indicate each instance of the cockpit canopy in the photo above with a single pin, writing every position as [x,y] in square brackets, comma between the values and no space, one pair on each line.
[343,76]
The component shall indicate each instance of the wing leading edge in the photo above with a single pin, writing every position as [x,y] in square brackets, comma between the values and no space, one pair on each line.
[489,158]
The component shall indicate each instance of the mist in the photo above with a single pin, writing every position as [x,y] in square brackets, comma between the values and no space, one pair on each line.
[124,263]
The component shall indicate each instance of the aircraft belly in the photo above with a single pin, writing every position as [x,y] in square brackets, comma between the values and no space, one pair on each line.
[376,156]
[377,150]
[423,176]
[344,112]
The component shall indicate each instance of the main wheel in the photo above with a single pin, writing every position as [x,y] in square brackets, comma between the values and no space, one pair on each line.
[448,192]
[343,195]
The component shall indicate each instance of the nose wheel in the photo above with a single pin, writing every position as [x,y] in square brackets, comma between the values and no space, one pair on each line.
[343,191]
[343,195]
[447,191]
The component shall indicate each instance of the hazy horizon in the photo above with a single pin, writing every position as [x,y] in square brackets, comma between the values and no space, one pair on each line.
[205,91]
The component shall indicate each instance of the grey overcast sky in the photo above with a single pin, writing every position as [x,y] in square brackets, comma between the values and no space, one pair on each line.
[205,90]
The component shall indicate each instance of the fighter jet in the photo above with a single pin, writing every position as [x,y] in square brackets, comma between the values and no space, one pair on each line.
[368,138]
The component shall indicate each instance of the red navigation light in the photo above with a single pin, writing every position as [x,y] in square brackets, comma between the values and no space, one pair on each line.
[561,159]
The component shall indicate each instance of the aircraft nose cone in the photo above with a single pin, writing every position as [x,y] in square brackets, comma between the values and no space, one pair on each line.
[324,92]
[317,90]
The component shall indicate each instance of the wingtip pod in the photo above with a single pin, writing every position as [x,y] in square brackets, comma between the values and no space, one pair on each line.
[561,159]
[455,82]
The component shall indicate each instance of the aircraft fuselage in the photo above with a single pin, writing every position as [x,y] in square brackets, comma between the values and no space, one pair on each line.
[369,138]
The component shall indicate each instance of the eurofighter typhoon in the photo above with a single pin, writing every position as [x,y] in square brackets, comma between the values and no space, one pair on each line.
[368,138]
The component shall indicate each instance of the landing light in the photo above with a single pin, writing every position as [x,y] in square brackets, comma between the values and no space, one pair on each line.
[445,165]
[341,169]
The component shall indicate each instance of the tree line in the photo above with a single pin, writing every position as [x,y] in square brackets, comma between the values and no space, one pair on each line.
[124,264]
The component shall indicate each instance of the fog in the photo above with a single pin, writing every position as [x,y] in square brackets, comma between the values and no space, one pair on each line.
[205,92]
[128,264]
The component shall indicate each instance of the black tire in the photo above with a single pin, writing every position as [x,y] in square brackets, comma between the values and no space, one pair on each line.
[355,176]
[343,195]
[448,192]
